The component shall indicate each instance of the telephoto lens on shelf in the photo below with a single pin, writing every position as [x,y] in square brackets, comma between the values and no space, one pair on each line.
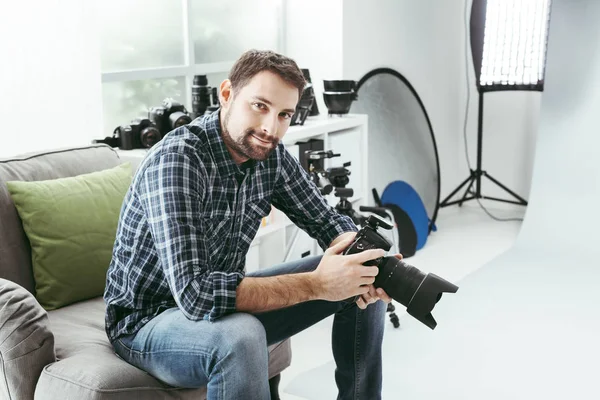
[200,96]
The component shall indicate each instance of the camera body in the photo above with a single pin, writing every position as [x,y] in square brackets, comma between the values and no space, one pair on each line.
[139,134]
[169,116]
[417,291]
[368,238]
[145,132]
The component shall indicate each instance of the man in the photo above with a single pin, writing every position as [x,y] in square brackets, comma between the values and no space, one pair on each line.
[178,303]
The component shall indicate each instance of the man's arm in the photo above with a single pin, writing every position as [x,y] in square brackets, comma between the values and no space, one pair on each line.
[274,292]
[342,237]
[300,199]
[170,191]
[337,277]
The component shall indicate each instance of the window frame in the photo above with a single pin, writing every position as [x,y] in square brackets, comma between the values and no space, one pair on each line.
[190,68]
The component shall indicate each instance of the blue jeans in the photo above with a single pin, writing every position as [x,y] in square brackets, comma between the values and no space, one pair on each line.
[230,355]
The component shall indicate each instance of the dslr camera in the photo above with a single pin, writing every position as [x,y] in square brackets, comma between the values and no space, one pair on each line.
[169,116]
[417,291]
[139,134]
[145,132]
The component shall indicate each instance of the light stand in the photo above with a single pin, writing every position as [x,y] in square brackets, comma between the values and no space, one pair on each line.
[475,176]
[505,57]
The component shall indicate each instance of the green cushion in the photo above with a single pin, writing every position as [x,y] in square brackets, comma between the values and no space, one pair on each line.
[71,224]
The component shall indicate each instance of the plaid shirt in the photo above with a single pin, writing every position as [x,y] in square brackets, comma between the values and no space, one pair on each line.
[188,220]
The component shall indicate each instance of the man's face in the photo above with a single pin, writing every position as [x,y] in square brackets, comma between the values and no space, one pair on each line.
[256,116]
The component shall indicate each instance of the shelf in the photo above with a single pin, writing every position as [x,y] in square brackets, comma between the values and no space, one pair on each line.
[285,222]
[322,124]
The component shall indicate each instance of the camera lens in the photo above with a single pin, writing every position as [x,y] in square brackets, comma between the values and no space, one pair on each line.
[417,291]
[200,95]
[178,119]
[200,80]
[149,136]
[399,279]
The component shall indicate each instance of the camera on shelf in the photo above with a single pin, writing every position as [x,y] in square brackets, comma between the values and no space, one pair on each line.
[145,132]
[205,99]
[139,134]
[305,105]
[169,116]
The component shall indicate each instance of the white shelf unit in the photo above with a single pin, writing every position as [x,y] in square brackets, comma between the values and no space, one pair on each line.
[347,135]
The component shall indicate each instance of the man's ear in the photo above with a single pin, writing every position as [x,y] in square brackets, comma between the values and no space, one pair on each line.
[226,93]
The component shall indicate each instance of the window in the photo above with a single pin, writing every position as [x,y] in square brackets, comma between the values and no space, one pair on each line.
[151,49]
[141,34]
[253,24]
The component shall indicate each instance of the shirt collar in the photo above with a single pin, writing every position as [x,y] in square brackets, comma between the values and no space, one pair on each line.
[221,155]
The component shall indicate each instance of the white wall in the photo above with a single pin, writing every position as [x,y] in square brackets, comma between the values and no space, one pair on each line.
[419,39]
[50,88]
[425,41]
[314,40]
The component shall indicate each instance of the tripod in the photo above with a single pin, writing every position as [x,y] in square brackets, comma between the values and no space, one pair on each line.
[344,207]
[475,176]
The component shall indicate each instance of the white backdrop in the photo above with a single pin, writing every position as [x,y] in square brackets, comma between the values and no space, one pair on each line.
[564,214]
[526,325]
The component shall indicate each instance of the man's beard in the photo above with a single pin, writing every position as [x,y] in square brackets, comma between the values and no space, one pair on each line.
[244,146]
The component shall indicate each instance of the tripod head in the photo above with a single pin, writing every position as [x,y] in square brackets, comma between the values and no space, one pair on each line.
[315,169]
[334,180]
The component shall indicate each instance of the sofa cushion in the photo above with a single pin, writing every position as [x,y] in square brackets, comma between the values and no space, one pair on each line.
[15,252]
[71,225]
[88,368]
[26,343]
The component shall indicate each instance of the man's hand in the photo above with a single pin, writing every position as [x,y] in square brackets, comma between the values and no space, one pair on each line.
[339,277]
[374,294]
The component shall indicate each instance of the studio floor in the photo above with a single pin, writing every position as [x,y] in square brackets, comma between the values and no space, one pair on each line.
[466,239]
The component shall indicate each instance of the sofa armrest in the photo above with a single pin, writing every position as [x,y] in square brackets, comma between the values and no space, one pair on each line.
[26,342]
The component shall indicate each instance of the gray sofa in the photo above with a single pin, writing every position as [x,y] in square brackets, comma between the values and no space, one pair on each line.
[64,353]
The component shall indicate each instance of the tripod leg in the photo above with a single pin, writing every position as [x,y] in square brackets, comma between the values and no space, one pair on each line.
[444,203]
[460,203]
[516,196]
[393,317]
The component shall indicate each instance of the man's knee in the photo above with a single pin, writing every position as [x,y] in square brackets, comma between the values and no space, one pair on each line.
[245,342]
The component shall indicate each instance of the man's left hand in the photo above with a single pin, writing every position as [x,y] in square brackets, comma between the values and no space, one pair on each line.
[374,294]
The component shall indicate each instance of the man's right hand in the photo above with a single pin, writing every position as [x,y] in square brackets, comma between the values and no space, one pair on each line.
[339,277]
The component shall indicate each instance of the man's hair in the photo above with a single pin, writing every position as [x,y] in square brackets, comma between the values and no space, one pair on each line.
[254,61]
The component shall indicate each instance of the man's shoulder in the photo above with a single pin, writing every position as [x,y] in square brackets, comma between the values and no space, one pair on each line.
[283,161]
[180,141]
